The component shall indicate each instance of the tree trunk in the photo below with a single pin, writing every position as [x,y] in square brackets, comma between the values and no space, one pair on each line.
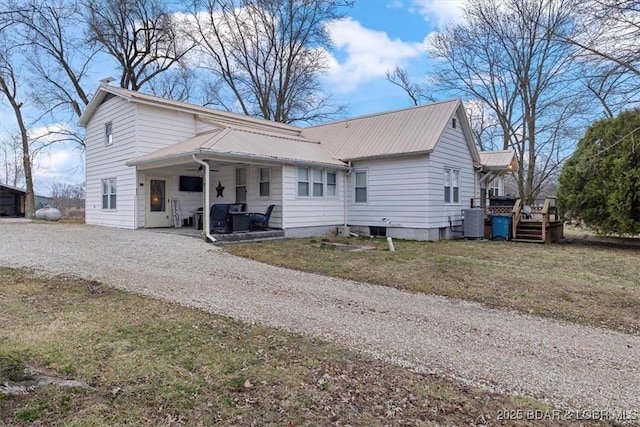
[30,198]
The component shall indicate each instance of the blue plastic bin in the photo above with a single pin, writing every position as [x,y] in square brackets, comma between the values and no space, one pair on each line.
[500,227]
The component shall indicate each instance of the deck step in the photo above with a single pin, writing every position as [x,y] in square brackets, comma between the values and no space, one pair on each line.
[528,240]
[529,231]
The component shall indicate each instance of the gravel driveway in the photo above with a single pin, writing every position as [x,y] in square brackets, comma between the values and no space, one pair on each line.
[573,366]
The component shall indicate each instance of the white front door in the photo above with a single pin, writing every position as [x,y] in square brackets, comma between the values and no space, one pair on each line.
[157,202]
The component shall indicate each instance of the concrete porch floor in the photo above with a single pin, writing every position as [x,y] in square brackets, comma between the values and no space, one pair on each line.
[249,236]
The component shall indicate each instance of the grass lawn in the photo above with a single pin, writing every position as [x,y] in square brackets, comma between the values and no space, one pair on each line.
[585,279]
[147,362]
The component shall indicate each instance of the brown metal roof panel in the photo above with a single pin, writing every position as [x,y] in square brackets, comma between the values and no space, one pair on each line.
[416,129]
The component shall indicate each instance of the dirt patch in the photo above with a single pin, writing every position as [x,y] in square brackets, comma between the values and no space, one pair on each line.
[347,247]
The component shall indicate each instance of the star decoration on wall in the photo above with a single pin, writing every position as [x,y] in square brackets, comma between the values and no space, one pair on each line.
[219,190]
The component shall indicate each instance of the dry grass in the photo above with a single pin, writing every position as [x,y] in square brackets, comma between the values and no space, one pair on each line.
[152,363]
[584,279]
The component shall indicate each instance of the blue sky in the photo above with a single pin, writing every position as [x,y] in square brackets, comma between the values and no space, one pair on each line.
[375,36]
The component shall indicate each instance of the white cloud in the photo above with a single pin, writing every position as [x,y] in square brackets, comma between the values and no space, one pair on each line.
[361,54]
[440,12]
[62,163]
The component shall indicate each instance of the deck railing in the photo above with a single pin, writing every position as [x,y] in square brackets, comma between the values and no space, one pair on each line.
[515,216]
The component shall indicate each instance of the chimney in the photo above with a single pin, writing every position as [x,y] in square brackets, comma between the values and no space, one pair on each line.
[106,81]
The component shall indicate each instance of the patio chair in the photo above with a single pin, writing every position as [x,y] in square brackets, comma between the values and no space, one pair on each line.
[219,217]
[260,221]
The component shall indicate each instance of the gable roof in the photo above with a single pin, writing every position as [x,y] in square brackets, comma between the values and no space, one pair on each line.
[142,98]
[408,131]
[234,142]
[411,130]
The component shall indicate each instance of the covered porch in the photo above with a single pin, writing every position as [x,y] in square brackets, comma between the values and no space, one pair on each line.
[210,197]
[226,181]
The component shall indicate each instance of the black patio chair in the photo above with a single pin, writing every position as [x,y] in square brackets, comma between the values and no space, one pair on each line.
[219,217]
[260,221]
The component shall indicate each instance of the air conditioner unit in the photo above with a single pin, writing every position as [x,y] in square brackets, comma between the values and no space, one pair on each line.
[473,223]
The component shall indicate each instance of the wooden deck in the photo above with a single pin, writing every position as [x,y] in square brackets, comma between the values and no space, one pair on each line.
[534,224]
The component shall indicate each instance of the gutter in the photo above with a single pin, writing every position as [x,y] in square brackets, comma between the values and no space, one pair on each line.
[205,210]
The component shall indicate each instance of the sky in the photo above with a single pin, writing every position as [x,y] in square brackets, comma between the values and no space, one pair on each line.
[375,37]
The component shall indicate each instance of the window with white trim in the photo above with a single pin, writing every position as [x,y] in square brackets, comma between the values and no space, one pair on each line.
[109,187]
[331,184]
[265,180]
[361,186]
[313,182]
[303,182]
[318,182]
[494,187]
[241,185]
[108,134]
[451,186]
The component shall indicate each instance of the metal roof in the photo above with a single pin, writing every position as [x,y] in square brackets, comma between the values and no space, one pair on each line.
[219,116]
[411,130]
[233,142]
[498,160]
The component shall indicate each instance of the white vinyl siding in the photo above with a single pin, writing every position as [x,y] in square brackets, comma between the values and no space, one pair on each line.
[396,189]
[159,128]
[452,152]
[104,162]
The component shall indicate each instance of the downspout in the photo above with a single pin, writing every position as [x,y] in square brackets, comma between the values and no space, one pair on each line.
[344,194]
[205,209]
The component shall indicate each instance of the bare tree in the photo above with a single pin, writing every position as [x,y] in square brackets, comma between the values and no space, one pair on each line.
[59,59]
[9,88]
[141,35]
[506,55]
[609,30]
[66,196]
[417,93]
[12,165]
[267,55]
[606,39]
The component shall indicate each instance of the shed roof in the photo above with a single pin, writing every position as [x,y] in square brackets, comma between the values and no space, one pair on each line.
[406,131]
[233,142]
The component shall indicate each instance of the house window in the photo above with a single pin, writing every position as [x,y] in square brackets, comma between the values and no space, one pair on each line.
[451,186]
[453,123]
[265,178]
[109,193]
[303,181]
[331,184]
[494,189]
[361,187]
[241,185]
[318,182]
[108,134]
